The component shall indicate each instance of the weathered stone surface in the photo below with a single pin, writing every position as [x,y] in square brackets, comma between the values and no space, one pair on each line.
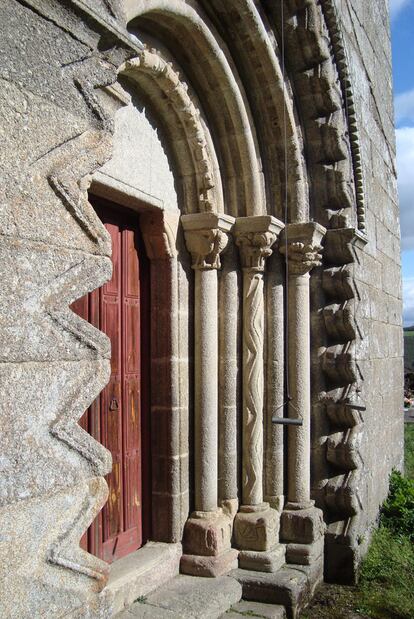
[142,572]
[85,106]
[255,609]
[193,597]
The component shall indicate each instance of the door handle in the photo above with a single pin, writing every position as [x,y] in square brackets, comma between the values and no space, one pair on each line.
[114,405]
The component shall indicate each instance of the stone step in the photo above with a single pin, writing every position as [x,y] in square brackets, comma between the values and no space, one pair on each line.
[291,587]
[142,572]
[244,609]
[188,597]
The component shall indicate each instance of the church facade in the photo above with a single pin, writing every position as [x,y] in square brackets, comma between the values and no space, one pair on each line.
[201,304]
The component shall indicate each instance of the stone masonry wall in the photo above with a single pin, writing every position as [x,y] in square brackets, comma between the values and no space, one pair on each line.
[377,272]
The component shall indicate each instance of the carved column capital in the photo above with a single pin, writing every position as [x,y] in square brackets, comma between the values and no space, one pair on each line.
[206,237]
[301,245]
[255,237]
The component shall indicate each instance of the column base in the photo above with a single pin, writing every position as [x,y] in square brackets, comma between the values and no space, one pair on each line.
[256,527]
[207,544]
[305,554]
[263,561]
[302,525]
[210,567]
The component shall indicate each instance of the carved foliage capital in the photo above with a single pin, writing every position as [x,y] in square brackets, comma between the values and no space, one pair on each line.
[254,248]
[255,236]
[301,245]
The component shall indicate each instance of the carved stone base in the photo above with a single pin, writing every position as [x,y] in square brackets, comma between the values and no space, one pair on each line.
[302,526]
[305,554]
[207,534]
[196,565]
[263,561]
[256,527]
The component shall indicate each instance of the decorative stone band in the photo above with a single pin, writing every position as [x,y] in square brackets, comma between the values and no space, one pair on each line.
[206,236]
[301,246]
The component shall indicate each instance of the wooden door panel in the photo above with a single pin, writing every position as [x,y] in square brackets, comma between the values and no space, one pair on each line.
[115,418]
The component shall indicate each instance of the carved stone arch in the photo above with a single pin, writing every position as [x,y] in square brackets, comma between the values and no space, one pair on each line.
[247,32]
[219,87]
[192,147]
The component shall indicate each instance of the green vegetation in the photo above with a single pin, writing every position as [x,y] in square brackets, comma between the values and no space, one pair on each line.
[409,450]
[386,588]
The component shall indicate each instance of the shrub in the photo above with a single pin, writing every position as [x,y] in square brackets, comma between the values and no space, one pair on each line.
[397,513]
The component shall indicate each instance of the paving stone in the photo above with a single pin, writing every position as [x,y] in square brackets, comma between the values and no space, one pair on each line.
[255,609]
[192,598]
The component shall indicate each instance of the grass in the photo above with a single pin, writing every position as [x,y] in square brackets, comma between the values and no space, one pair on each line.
[409,450]
[386,587]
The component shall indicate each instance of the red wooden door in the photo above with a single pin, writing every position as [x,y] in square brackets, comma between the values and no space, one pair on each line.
[118,418]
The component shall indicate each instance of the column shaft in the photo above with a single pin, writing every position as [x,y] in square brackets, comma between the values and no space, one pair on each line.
[274,448]
[206,390]
[228,379]
[299,379]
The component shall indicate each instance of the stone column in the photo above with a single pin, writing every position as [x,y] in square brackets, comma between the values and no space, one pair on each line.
[229,382]
[302,524]
[207,533]
[256,525]
[275,379]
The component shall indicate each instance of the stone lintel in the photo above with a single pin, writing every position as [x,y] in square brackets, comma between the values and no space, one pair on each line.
[206,236]
[255,237]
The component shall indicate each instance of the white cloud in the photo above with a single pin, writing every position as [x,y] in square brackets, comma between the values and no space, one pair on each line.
[408,301]
[397,5]
[405,165]
[404,107]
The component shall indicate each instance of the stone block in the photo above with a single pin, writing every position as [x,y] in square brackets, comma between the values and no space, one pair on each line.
[256,530]
[302,526]
[256,609]
[192,598]
[196,565]
[305,554]
[207,533]
[263,561]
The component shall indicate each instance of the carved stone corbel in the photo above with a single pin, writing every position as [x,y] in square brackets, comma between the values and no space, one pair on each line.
[159,231]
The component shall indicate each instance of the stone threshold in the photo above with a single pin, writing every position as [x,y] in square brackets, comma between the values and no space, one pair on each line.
[135,576]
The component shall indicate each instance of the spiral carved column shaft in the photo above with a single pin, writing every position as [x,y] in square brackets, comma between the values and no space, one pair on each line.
[256,524]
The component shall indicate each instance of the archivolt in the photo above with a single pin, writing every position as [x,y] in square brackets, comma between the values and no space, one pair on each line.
[193,149]
[195,44]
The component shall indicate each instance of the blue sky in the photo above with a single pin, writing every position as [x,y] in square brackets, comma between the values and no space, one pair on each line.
[402,26]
